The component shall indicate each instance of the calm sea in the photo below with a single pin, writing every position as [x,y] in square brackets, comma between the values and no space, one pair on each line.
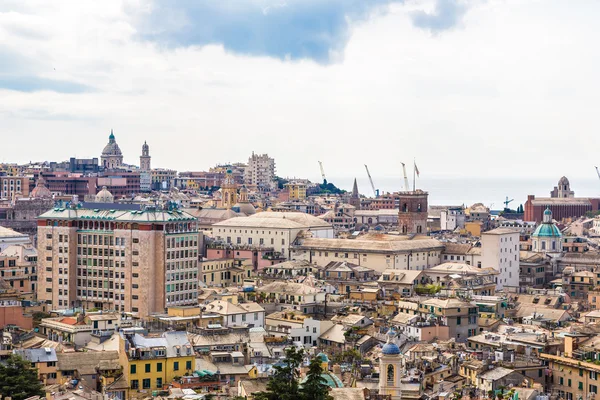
[491,192]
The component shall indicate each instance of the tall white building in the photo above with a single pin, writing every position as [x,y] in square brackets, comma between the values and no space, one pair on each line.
[500,250]
[260,171]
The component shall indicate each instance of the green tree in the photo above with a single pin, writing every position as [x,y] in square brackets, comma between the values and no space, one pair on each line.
[284,384]
[315,387]
[19,380]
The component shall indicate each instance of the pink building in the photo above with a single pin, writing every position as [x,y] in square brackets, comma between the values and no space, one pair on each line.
[261,257]
[11,313]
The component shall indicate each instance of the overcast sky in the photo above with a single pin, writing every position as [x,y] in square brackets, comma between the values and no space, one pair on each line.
[482,88]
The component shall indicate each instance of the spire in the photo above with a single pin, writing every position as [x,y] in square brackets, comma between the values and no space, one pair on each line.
[355,189]
[112,135]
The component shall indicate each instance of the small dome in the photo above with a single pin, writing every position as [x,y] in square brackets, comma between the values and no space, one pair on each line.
[563,181]
[323,357]
[40,190]
[548,211]
[244,189]
[104,196]
[390,349]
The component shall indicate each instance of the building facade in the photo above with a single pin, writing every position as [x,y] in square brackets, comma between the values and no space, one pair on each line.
[412,217]
[131,261]
[145,169]
[260,172]
[10,186]
[500,250]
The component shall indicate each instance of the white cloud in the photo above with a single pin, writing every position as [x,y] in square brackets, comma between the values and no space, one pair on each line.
[514,84]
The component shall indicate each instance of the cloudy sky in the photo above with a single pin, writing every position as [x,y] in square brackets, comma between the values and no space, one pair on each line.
[470,88]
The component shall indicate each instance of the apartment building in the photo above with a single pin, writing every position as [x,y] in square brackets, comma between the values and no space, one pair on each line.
[18,265]
[574,373]
[224,272]
[139,262]
[460,317]
[12,185]
[500,250]
[260,171]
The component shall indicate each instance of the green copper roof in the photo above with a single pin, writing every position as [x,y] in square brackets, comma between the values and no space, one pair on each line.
[547,230]
[329,379]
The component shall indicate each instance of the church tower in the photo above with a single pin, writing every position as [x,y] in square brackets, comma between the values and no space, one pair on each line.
[145,157]
[390,371]
[145,169]
[355,196]
[228,190]
[412,216]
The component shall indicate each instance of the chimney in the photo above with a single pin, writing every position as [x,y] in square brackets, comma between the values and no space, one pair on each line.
[570,345]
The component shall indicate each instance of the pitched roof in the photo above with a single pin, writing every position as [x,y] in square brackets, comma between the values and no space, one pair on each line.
[361,245]
[45,354]
[334,334]
[287,287]
[87,362]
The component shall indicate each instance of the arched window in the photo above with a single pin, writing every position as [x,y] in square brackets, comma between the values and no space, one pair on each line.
[419,229]
[390,375]
[419,207]
[405,207]
[543,245]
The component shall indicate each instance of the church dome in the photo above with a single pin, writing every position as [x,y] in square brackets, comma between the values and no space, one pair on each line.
[390,349]
[328,379]
[563,181]
[104,196]
[323,357]
[112,148]
[40,190]
[547,230]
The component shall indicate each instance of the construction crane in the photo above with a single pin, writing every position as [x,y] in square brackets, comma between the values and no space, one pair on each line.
[322,172]
[371,180]
[507,202]
[406,185]
[598,172]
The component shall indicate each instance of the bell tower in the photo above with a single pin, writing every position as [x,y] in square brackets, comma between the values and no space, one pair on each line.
[412,216]
[145,158]
[390,371]
[228,190]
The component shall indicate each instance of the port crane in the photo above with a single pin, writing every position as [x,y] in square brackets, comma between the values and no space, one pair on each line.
[371,180]
[507,202]
[406,184]
[322,172]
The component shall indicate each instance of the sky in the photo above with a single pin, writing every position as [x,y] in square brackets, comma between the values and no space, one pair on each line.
[470,89]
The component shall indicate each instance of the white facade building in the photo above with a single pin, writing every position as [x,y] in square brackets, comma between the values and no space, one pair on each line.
[260,171]
[500,250]
[271,229]
[310,331]
[242,314]
[452,218]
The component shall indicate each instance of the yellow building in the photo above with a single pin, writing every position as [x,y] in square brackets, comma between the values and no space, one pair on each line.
[296,191]
[152,363]
[575,374]
[473,228]
[224,272]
